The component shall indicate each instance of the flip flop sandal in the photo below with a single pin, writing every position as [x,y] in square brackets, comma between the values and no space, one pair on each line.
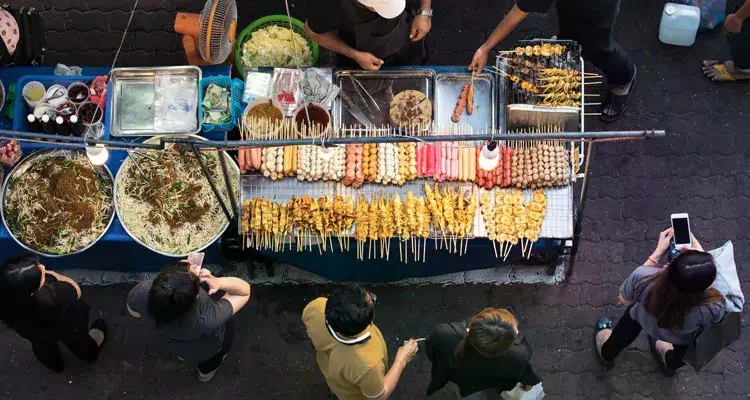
[725,75]
[602,324]
[618,102]
[665,370]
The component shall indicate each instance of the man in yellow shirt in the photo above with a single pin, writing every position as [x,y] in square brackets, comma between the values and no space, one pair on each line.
[351,351]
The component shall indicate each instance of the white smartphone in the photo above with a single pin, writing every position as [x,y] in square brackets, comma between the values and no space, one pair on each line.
[681,227]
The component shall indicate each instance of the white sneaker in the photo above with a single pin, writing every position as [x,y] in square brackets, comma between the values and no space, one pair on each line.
[205,378]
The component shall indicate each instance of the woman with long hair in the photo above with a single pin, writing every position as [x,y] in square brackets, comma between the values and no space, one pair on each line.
[671,303]
[485,356]
[45,308]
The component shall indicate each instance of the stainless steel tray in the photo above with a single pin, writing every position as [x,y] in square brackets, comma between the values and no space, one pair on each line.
[41,156]
[382,86]
[136,102]
[448,88]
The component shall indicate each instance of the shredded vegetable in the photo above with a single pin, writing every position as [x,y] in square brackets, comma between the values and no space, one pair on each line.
[166,202]
[276,46]
[59,205]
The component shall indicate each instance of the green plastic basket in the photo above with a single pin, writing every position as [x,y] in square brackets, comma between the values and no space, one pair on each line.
[280,20]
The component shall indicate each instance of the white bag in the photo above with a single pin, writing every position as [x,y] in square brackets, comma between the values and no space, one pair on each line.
[727,281]
[536,393]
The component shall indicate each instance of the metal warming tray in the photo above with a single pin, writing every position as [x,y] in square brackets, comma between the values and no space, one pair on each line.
[40,156]
[382,86]
[138,102]
[448,87]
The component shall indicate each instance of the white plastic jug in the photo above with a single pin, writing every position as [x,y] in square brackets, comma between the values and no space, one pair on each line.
[679,24]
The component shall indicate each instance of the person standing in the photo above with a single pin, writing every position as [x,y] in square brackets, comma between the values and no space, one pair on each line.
[737,27]
[192,325]
[350,350]
[370,33]
[590,23]
[45,308]
[670,303]
[483,358]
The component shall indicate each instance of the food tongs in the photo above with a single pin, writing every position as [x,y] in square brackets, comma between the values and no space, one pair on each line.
[364,96]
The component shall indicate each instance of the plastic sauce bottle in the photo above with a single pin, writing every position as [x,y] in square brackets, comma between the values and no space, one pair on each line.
[679,24]
[34,124]
[76,127]
[48,126]
[61,127]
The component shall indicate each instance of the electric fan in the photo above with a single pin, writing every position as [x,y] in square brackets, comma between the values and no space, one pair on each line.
[208,36]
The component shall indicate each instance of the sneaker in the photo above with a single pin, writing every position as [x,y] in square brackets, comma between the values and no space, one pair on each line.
[206,377]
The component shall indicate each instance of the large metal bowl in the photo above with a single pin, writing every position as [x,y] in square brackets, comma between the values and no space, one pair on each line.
[230,164]
[104,174]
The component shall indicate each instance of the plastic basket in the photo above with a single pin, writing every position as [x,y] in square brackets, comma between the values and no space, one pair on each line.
[221,81]
[280,20]
[238,106]
[21,109]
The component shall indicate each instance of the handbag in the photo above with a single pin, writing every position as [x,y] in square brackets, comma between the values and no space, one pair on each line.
[710,341]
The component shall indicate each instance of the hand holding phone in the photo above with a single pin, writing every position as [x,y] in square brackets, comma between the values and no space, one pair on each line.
[196,259]
[682,235]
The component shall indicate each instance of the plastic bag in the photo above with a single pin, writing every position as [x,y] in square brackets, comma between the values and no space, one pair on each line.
[713,12]
[536,393]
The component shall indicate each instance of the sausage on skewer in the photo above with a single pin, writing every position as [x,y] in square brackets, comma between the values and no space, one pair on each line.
[461,104]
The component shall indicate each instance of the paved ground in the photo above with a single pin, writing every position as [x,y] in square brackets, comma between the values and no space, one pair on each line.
[701,168]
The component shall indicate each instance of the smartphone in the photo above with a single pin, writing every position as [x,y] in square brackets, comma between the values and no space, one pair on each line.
[196,259]
[681,227]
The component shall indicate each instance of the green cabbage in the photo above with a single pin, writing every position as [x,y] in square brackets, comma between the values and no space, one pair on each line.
[275,46]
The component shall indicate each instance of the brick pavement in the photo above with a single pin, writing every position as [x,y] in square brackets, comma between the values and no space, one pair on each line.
[701,168]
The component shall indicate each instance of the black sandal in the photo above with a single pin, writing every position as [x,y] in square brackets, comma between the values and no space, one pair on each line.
[618,103]
[665,370]
[602,324]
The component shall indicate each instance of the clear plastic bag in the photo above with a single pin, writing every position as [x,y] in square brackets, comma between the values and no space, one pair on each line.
[176,105]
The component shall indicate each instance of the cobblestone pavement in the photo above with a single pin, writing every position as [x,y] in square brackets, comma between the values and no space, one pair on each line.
[701,168]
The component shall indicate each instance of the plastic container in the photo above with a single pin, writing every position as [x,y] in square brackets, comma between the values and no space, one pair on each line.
[280,20]
[20,107]
[319,116]
[33,86]
[679,24]
[257,102]
[78,92]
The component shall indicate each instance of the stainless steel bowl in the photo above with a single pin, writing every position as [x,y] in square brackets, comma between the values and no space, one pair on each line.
[104,173]
[231,164]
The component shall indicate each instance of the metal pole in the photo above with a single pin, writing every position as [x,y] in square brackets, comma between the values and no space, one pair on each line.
[78,142]
[564,136]
[75,141]
[578,228]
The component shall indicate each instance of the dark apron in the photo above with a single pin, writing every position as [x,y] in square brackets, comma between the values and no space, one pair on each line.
[394,47]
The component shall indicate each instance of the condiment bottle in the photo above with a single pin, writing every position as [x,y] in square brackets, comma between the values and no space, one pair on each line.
[34,124]
[76,127]
[61,127]
[48,126]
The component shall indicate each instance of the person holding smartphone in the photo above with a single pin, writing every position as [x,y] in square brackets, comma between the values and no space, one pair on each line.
[483,357]
[193,325]
[670,302]
[350,350]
